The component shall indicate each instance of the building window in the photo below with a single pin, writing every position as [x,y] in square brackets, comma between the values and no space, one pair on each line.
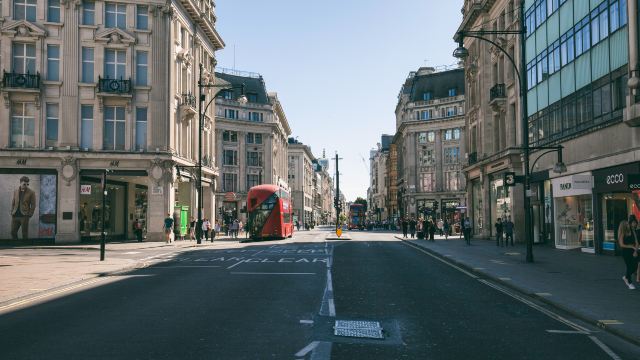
[230,114]
[22,125]
[86,127]
[142,17]
[426,114]
[87,65]
[114,63]
[452,92]
[456,134]
[230,136]
[229,182]
[115,15]
[141,128]
[24,58]
[426,96]
[53,11]
[254,158]
[258,138]
[25,10]
[114,128]
[252,180]
[422,138]
[142,66]
[448,134]
[252,97]
[451,180]
[256,116]
[51,131]
[230,157]
[427,182]
[226,94]
[431,136]
[253,138]
[451,155]
[53,62]
[88,13]
[427,157]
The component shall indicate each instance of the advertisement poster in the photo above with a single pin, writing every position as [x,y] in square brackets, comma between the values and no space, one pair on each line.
[39,199]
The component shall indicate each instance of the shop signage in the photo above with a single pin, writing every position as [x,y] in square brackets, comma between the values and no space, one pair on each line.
[230,196]
[634,182]
[572,185]
[614,178]
[85,189]
[156,190]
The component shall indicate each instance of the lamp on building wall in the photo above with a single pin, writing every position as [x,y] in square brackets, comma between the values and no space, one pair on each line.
[462,53]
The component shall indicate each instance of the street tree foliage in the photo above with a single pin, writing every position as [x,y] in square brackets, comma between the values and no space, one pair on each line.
[362,201]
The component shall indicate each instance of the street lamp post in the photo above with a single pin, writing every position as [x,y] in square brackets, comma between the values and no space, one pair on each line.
[242,99]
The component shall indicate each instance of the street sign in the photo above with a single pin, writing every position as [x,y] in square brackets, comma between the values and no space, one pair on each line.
[509,178]
[339,232]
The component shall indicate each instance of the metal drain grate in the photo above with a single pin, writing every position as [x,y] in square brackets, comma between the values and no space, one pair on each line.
[360,329]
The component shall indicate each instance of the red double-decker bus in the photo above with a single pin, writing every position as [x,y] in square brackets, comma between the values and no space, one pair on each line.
[356,216]
[270,213]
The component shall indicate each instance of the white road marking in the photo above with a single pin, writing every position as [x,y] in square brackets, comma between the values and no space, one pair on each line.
[305,350]
[329,281]
[131,252]
[565,332]
[267,273]
[236,264]
[306,321]
[186,266]
[604,347]
[332,308]
[545,294]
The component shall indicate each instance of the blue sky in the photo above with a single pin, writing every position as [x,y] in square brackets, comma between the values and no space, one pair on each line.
[337,66]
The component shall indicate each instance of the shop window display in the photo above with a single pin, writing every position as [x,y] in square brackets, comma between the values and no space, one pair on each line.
[615,208]
[574,222]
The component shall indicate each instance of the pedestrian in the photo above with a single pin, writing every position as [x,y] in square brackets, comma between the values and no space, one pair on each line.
[213,229]
[206,225]
[508,231]
[432,230]
[240,227]
[234,229]
[412,227]
[297,225]
[466,229]
[499,229]
[137,229]
[446,228]
[405,227]
[168,227]
[628,242]
[420,228]
[440,226]
[192,229]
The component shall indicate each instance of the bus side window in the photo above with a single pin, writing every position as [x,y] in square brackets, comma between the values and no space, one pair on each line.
[253,201]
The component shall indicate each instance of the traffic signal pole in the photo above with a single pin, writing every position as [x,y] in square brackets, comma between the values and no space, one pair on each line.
[337,199]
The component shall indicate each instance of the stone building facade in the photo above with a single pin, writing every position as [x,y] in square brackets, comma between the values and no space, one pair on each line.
[95,85]
[494,134]
[429,141]
[301,180]
[251,142]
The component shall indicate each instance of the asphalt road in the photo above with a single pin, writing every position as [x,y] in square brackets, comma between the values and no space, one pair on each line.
[279,300]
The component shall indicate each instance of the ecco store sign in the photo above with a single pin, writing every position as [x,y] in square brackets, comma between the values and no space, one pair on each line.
[572,185]
[615,179]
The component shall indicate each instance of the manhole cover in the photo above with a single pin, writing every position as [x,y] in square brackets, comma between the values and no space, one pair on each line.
[360,329]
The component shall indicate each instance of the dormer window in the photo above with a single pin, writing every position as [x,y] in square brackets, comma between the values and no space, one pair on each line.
[115,15]
[452,92]
[427,96]
[24,10]
[226,94]
[252,97]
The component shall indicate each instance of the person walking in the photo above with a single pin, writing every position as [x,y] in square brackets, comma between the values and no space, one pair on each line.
[466,229]
[192,229]
[628,242]
[297,225]
[137,230]
[499,230]
[216,230]
[168,227]
[240,227]
[405,227]
[432,231]
[446,228]
[440,226]
[412,227]
[234,229]
[206,225]
[508,231]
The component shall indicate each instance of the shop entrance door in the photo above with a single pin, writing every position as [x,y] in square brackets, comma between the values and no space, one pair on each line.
[538,232]
[616,211]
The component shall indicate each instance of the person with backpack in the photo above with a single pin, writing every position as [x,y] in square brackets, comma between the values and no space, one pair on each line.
[466,230]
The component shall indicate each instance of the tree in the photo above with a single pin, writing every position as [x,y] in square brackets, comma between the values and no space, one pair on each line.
[362,201]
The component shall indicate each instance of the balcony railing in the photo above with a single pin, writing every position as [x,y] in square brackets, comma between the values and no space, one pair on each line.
[473,158]
[23,81]
[114,86]
[498,91]
[189,99]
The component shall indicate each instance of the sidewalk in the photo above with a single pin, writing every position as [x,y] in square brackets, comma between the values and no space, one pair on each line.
[33,271]
[587,286]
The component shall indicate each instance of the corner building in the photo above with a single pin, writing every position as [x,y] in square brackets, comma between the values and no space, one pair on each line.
[429,142]
[95,85]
